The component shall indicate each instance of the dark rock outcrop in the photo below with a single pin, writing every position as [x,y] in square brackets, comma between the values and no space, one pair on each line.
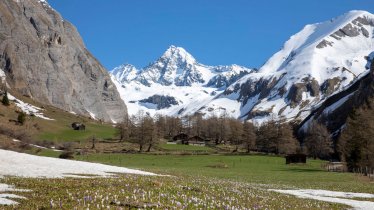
[223,81]
[295,95]
[329,86]
[161,101]
[44,57]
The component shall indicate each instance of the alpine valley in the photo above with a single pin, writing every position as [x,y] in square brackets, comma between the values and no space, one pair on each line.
[295,133]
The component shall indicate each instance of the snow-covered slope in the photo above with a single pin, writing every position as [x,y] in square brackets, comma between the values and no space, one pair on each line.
[175,84]
[321,60]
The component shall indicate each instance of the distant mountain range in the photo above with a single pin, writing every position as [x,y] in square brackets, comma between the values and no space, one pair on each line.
[318,71]
[175,84]
[320,61]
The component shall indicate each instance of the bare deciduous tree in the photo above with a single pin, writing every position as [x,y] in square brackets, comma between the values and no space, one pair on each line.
[318,141]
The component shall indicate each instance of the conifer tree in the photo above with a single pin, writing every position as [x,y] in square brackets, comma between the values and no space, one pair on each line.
[356,144]
[5,100]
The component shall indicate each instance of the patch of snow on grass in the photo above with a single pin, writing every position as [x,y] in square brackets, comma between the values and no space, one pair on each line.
[37,146]
[93,116]
[2,76]
[333,196]
[5,197]
[25,165]
[28,108]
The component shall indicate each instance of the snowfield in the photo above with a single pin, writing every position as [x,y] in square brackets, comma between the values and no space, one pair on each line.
[25,165]
[333,196]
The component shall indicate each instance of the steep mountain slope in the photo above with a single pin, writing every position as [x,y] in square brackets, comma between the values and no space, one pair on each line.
[43,56]
[320,60]
[335,110]
[175,84]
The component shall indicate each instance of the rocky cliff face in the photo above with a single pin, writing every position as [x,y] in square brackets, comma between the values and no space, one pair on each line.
[44,57]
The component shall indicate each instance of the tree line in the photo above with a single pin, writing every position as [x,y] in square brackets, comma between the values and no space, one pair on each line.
[273,136]
[356,143]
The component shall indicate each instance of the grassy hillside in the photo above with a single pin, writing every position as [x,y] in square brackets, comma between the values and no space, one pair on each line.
[59,129]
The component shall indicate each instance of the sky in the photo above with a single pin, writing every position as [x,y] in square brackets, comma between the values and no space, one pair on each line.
[215,32]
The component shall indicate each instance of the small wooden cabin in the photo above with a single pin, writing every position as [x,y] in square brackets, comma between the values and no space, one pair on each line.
[295,158]
[336,166]
[181,138]
[78,126]
[197,141]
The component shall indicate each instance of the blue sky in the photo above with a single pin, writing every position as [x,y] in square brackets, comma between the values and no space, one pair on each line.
[215,32]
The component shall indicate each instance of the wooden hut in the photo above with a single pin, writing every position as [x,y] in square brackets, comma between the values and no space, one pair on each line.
[78,126]
[295,158]
[197,141]
[181,138]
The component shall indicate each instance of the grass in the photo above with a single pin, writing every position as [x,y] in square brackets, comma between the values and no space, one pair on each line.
[64,133]
[185,148]
[198,182]
[144,192]
[249,169]
[49,153]
[59,129]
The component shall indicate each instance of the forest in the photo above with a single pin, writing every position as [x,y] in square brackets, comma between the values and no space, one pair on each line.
[354,146]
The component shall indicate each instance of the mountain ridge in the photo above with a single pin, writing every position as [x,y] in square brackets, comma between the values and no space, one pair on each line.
[315,63]
[175,77]
[304,73]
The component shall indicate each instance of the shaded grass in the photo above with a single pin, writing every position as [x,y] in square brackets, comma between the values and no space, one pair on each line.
[182,147]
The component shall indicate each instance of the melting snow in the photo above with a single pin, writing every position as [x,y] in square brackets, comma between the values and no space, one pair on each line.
[333,197]
[2,76]
[5,197]
[25,165]
[28,108]
[93,116]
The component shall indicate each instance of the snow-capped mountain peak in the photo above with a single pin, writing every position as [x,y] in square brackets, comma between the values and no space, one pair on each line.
[179,68]
[178,54]
[174,84]
[124,73]
[320,35]
[175,67]
[319,61]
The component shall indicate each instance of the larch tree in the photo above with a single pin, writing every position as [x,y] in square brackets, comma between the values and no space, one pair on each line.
[124,128]
[318,141]
[249,136]
[235,135]
[286,142]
